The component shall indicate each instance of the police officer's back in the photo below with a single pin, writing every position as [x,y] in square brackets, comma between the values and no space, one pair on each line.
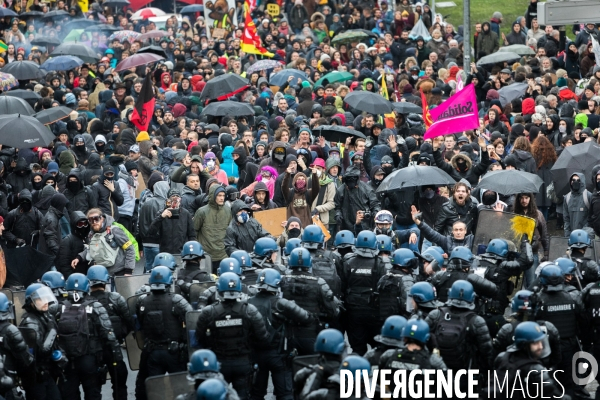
[422,299]
[389,338]
[330,388]
[160,260]
[579,241]
[204,366]
[395,284]
[323,260]
[192,254]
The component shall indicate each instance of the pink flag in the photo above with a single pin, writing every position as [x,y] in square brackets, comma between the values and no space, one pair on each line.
[460,85]
[457,114]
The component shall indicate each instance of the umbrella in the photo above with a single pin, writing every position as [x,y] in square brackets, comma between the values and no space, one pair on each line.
[103,28]
[138,59]
[62,63]
[14,105]
[336,133]
[7,12]
[224,108]
[520,49]
[354,35]
[23,94]
[7,81]
[578,158]
[370,102]
[404,107]
[262,65]
[31,14]
[282,77]
[76,49]
[511,92]
[79,23]
[498,57]
[146,13]
[414,176]
[23,70]
[159,51]
[74,35]
[25,265]
[53,114]
[334,77]
[154,34]
[194,8]
[130,36]
[116,3]
[31,132]
[509,182]
[55,14]
[46,41]
[222,87]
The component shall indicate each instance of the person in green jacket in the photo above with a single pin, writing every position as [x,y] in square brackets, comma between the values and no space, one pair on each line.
[211,222]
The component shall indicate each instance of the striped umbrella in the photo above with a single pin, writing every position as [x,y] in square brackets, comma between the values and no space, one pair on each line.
[7,81]
[130,36]
[262,65]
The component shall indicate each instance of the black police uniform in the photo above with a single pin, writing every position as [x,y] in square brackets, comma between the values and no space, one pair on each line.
[188,275]
[17,357]
[314,377]
[392,293]
[277,314]
[210,296]
[443,280]
[590,272]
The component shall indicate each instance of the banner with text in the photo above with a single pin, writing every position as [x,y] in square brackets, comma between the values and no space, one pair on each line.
[457,114]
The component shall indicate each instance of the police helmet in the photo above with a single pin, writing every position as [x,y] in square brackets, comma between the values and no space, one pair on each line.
[78,283]
[437,248]
[498,247]
[404,258]
[38,295]
[434,258]
[264,247]
[391,331]
[269,280]
[551,276]
[522,301]
[191,250]
[423,293]
[417,330]
[312,237]
[384,243]
[579,239]
[203,364]
[355,363]
[6,308]
[229,285]
[229,264]
[243,258]
[330,341]
[160,278]
[54,279]
[300,258]
[366,240]
[460,258]
[566,265]
[212,389]
[98,275]
[343,239]
[290,245]
[528,332]
[165,260]
[461,295]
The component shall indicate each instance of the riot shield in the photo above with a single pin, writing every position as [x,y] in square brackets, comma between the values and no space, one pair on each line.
[9,294]
[29,337]
[126,286]
[134,341]
[196,290]
[19,302]
[501,225]
[169,386]
[191,320]
[596,250]
[559,246]
[304,361]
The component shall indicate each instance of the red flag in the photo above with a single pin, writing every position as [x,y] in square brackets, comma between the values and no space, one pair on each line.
[250,40]
[144,106]
[426,114]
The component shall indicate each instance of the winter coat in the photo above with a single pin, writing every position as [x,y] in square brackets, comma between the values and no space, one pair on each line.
[147,163]
[524,160]
[148,211]
[83,199]
[431,208]
[70,247]
[473,172]
[594,215]
[190,199]
[271,161]
[173,232]
[93,169]
[20,178]
[575,212]
[21,225]
[228,165]
[50,232]
[108,201]
[542,199]
[242,236]
[449,214]
[348,202]
[487,42]
[210,224]
[328,202]
[299,204]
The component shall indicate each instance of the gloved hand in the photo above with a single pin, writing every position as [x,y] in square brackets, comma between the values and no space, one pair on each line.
[249,200]
[339,219]
[20,242]
[117,355]
[315,212]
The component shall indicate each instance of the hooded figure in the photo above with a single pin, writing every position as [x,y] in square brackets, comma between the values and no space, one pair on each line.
[72,245]
[246,169]
[277,157]
[80,197]
[243,230]
[94,169]
[20,178]
[50,232]
[461,166]
[108,193]
[576,205]
[260,195]
[66,162]
[176,229]
[301,195]
[23,221]
[352,196]
[210,224]
[148,211]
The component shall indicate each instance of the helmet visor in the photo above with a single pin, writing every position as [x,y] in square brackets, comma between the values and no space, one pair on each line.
[42,298]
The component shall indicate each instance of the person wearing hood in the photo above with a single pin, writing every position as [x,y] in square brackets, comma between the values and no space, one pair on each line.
[210,224]
[461,165]
[50,232]
[128,184]
[594,215]
[246,169]
[109,194]
[22,222]
[72,245]
[243,230]
[276,158]
[228,165]
[80,196]
[267,175]
[79,150]
[261,198]
[174,225]
[576,205]
[300,196]
[352,199]
[324,202]
[20,178]
[148,160]
[521,153]
[148,211]
[515,36]
[487,41]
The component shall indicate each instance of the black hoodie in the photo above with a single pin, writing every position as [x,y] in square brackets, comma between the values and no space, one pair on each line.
[247,170]
[71,246]
[79,196]
[20,178]
[21,225]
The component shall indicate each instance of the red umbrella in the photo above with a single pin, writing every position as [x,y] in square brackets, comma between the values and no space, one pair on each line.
[147,13]
[138,59]
[154,34]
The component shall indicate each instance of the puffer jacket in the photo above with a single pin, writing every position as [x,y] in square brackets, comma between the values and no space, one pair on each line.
[348,202]
[173,232]
[473,172]
[210,224]
[242,236]
[148,211]
[575,211]
[449,214]
[70,247]
[108,201]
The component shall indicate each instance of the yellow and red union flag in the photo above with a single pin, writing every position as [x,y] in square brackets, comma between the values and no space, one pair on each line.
[250,40]
[426,114]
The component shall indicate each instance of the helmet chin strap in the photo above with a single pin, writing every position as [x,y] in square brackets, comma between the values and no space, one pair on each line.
[76,297]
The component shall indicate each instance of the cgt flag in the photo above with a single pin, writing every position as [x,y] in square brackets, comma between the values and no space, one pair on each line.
[250,40]
[457,114]
[144,106]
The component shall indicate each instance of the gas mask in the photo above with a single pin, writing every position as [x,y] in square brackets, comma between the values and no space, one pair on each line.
[242,218]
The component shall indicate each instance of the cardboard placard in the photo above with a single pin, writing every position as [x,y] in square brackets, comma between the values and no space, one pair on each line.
[317,221]
[273,9]
[141,186]
[271,220]
[219,33]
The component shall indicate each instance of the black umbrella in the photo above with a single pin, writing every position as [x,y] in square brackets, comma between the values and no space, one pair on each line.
[25,265]
[53,114]
[31,132]
[31,14]
[370,102]
[159,51]
[223,87]
[414,176]
[14,105]
[404,107]
[23,94]
[46,41]
[116,3]
[7,12]
[55,14]
[336,133]
[509,182]
[103,28]
[75,49]
[579,158]
[80,23]
[224,108]
[24,70]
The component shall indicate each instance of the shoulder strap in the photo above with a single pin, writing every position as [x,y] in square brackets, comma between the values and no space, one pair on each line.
[322,191]
[586,199]
[568,198]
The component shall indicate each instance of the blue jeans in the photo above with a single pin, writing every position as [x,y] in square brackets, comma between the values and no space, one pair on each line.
[529,274]
[544,211]
[406,245]
[149,254]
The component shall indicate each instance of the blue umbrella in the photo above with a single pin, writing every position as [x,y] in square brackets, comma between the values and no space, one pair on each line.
[7,12]
[194,8]
[62,63]
[282,76]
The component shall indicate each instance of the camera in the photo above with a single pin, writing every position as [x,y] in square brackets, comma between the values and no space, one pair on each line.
[367,214]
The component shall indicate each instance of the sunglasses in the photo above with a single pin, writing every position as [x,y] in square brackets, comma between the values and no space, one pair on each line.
[82,224]
[95,219]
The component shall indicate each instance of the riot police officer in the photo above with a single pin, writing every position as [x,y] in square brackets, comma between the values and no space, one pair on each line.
[193,255]
[212,389]
[226,327]
[384,221]
[161,317]
[458,268]
[40,383]
[362,270]
[56,282]
[323,264]
[122,323]
[523,305]
[591,301]
[248,270]
[160,260]
[13,348]
[331,387]
[264,255]
[390,338]
[278,314]
[290,245]
[569,271]
[394,286]
[203,366]
[422,299]
[210,295]
[432,261]
[310,293]
[343,242]
[84,332]
[579,241]
[384,244]
[523,358]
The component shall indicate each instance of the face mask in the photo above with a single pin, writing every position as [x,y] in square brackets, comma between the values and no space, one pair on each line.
[37,185]
[243,217]
[294,233]
[300,184]
[428,194]
[351,183]
[388,170]
[319,173]
[106,178]
[265,180]
[279,157]
[80,149]
[488,199]
[382,231]
[73,186]
[576,185]
[462,167]
[562,128]
[100,148]
[26,206]
[598,185]
[377,182]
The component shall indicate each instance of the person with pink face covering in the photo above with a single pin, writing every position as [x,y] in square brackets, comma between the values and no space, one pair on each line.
[268,175]
[212,165]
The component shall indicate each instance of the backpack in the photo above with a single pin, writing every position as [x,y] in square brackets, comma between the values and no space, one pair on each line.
[451,336]
[586,199]
[264,306]
[323,266]
[389,288]
[73,328]
[131,238]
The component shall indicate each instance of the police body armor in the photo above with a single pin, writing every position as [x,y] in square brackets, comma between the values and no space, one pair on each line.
[189,275]
[108,301]
[267,306]
[391,294]
[498,304]
[11,344]
[303,288]
[229,330]
[159,324]
[592,305]
[323,266]
[77,333]
[559,308]
[402,359]
[510,363]
[588,269]
[361,282]
[444,282]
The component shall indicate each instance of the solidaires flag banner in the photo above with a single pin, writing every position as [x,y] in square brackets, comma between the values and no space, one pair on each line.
[457,114]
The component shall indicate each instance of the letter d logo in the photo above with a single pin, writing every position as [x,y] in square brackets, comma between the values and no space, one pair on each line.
[583,364]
